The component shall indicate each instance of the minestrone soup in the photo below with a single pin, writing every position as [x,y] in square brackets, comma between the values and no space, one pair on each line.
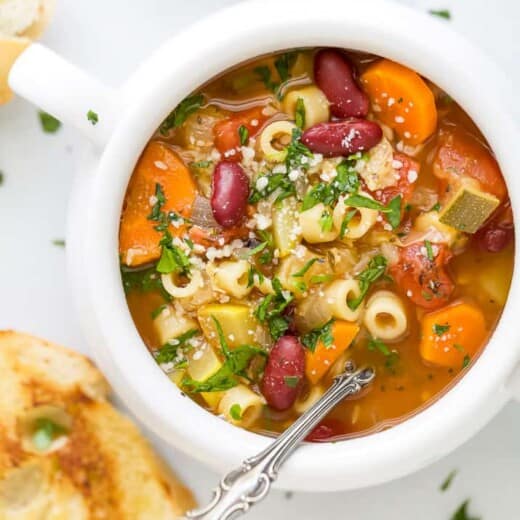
[307,209]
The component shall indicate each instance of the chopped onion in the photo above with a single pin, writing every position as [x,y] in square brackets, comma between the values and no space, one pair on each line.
[202,215]
[424,198]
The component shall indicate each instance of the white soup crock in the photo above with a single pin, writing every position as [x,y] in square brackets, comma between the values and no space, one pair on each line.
[128,116]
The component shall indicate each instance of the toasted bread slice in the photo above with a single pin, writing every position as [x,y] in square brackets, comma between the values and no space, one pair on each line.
[98,466]
[21,22]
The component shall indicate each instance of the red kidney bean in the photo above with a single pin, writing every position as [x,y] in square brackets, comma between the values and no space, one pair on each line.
[334,75]
[284,372]
[342,137]
[326,430]
[494,239]
[230,193]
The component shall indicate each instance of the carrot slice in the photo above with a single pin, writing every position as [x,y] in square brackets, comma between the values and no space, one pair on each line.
[317,363]
[450,336]
[159,164]
[402,99]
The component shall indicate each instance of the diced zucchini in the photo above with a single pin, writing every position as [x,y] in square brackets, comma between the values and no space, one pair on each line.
[285,226]
[468,209]
[170,325]
[202,364]
[238,324]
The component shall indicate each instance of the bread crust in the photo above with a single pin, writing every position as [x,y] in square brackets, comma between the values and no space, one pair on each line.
[101,468]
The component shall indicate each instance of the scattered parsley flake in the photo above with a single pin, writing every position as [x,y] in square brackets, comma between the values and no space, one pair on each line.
[463,514]
[441,13]
[439,330]
[375,270]
[448,480]
[44,433]
[376,344]
[323,334]
[181,112]
[305,268]
[58,242]
[236,412]
[93,117]
[291,381]
[429,250]
[299,114]
[50,124]
[243,135]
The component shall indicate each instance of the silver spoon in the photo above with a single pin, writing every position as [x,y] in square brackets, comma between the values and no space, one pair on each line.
[250,483]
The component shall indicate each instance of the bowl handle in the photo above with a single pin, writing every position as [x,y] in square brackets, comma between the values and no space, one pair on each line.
[65,91]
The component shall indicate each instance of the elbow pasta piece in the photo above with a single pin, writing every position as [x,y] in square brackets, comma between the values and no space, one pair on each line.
[315,103]
[385,316]
[311,225]
[278,131]
[338,293]
[304,402]
[360,224]
[231,276]
[195,283]
[265,286]
[247,406]
[169,324]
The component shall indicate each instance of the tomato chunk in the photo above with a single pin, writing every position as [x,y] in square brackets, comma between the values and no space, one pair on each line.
[405,185]
[424,280]
[460,155]
[226,132]
[327,429]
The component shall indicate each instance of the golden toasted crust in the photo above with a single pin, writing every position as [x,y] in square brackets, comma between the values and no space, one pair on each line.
[102,468]
[11,46]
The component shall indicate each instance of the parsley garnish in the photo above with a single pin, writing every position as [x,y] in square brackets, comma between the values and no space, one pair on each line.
[346,181]
[440,329]
[236,363]
[323,334]
[326,221]
[436,207]
[157,311]
[282,65]
[168,352]
[243,135]
[142,280]
[276,181]
[93,117]
[236,412]
[448,480]
[291,381]
[173,260]
[392,210]
[429,250]
[59,242]
[2,177]
[345,222]
[305,268]
[181,112]
[321,278]
[297,153]
[466,361]
[299,114]
[376,268]
[270,310]
[45,431]
[201,165]
[268,252]
[462,513]
[441,13]
[253,271]
[376,344]
[49,123]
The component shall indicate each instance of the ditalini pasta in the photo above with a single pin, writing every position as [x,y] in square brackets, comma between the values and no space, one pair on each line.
[385,316]
[307,211]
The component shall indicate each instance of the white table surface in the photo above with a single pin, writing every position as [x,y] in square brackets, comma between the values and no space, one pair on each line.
[108,39]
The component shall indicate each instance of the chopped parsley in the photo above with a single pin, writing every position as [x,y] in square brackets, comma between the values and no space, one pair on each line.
[44,433]
[375,270]
[243,135]
[346,221]
[448,481]
[201,165]
[158,311]
[93,117]
[236,412]
[268,252]
[2,177]
[305,268]
[299,114]
[236,363]
[439,330]
[346,181]
[169,351]
[429,250]
[463,514]
[181,112]
[253,271]
[298,154]
[282,64]
[377,345]
[466,361]
[291,381]
[173,260]
[436,207]
[50,124]
[271,309]
[278,182]
[441,13]
[58,242]
[323,334]
[142,280]
[392,210]
[321,278]
[326,221]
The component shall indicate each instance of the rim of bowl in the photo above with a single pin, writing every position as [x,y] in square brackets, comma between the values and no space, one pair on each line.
[380,27]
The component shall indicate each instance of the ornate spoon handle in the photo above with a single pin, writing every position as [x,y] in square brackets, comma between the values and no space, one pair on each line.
[248,484]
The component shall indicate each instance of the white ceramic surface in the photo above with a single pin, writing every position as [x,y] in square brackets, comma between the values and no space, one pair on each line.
[316,476]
